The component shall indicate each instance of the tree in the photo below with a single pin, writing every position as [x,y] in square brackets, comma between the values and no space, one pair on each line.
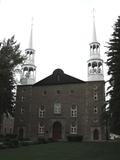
[10,57]
[113,62]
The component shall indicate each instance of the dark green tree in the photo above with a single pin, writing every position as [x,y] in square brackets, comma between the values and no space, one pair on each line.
[113,63]
[10,57]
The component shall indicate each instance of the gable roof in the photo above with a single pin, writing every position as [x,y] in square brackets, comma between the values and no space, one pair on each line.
[58,77]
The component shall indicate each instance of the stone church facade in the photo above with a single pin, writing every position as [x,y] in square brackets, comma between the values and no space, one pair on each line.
[61,105]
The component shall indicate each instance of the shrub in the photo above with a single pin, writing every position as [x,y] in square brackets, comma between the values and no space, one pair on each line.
[2,145]
[51,140]
[1,138]
[41,140]
[10,136]
[11,143]
[25,143]
[75,138]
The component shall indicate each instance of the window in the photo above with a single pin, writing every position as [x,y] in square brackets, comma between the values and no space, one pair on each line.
[10,130]
[41,128]
[95,109]
[58,91]
[57,108]
[74,111]
[44,92]
[95,96]
[72,91]
[5,130]
[95,120]
[58,77]
[22,110]
[41,111]
[22,98]
[73,128]
[30,106]
[23,90]
[95,88]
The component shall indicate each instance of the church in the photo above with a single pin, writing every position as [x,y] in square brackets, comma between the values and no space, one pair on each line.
[61,105]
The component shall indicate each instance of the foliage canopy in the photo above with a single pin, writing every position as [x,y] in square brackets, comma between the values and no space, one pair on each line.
[113,62]
[10,57]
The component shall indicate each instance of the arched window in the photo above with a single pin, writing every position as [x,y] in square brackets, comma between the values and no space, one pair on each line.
[41,128]
[73,128]
[41,111]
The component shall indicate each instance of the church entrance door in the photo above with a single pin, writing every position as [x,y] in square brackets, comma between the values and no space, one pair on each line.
[96,134]
[21,132]
[57,131]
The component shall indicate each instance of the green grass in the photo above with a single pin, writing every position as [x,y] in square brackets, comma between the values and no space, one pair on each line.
[64,151]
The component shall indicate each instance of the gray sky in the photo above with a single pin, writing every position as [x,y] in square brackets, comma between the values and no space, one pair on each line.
[62,30]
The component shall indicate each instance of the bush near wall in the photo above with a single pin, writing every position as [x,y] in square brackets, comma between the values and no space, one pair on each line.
[42,140]
[74,138]
[8,141]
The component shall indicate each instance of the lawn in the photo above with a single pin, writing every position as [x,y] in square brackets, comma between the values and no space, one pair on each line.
[64,151]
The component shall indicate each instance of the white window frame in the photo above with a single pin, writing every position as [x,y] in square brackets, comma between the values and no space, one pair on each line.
[57,108]
[41,112]
[41,129]
[74,111]
[73,129]
[22,98]
[22,110]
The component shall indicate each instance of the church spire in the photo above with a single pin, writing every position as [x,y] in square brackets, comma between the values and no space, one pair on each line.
[28,68]
[95,63]
[94,38]
[30,45]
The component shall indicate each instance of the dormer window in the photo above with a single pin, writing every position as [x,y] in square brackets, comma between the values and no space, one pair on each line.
[58,77]
[44,92]
[72,91]
[58,91]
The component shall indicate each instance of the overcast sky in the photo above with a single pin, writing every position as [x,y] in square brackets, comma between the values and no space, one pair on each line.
[62,31]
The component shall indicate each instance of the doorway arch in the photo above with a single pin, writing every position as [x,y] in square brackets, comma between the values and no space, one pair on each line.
[21,133]
[96,134]
[57,130]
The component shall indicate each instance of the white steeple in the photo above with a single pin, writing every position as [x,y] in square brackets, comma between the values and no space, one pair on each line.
[28,68]
[30,45]
[95,63]
[94,38]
